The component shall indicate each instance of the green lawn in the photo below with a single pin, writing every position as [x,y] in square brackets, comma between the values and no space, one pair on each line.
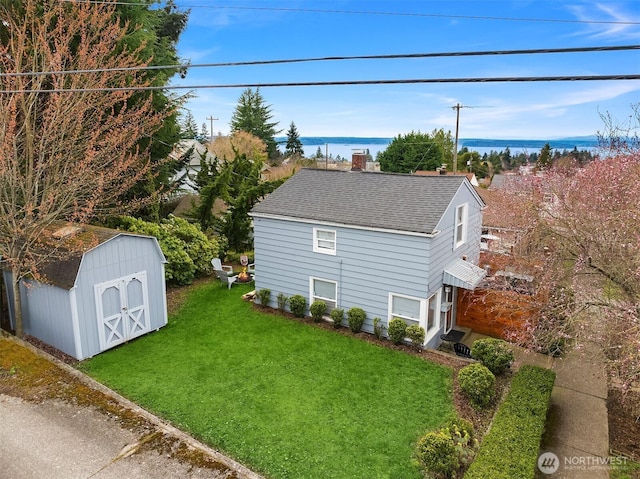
[284,398]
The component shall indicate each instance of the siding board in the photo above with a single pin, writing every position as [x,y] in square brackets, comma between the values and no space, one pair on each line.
[368,264]
[47,309]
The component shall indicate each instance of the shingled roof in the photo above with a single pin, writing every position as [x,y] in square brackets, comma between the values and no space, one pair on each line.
[366,199]
[63,250]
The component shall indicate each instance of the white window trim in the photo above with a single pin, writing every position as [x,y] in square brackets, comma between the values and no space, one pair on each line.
[313,297]
[437,316]
[423,309]
[319,249]
[422,321]
[457,242]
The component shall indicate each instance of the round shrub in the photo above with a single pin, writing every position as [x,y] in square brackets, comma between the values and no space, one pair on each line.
[493,353]
[298,305]
[436,452]
[264,296]
[317,309]
[477,383]
[397,330]
[337,315]
[416,334]
[355,318]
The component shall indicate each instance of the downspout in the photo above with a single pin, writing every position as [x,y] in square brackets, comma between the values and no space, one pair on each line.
[339,299]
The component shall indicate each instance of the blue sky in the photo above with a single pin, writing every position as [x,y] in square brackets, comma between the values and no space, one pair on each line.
[269,30]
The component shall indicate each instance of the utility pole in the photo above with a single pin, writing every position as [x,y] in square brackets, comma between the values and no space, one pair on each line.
[457,107]
[211,118]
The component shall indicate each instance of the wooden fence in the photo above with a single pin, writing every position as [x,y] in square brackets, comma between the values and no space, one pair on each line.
[494,312]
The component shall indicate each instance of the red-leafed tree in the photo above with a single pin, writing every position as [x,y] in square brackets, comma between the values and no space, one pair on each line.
[580,236]
[68,141]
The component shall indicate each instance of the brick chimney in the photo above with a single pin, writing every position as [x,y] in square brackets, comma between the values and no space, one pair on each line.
[358,162]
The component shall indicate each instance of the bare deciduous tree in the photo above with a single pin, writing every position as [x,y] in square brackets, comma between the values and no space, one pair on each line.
[63,154]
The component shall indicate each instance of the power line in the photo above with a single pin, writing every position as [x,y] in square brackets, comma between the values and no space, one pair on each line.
[186,66]
[365,12]
[343,83]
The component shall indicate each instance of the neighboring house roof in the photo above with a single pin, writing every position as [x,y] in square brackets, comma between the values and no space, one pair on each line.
[183,146]
[188,201]
[470,176]
[497,181]
[366,199]
[499,211]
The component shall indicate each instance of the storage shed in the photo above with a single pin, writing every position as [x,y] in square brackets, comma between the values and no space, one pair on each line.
[110,291]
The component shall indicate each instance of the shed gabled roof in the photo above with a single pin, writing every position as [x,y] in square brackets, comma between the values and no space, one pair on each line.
[61,268]
[387,201]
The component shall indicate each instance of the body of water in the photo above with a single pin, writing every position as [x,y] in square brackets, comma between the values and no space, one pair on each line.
[346,146]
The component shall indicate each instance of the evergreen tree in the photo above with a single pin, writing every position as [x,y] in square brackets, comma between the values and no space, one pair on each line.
[411,152]
[294,145]
[204,133]
[544,159]
[506,159]
[189,126]
[155,43]
[239,184]
[254,116]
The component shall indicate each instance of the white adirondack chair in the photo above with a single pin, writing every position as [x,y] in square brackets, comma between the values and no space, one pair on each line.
[225,278]
[218,266]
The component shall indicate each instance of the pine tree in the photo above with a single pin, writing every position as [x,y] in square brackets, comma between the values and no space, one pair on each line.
[189,126]
[294,145]
[204,133]
[545,160]
[253,115]
[156,44]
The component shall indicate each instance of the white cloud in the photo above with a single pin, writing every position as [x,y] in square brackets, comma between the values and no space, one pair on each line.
[626,26]
[198,55]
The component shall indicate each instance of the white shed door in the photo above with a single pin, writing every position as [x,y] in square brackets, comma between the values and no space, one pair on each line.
[123,309]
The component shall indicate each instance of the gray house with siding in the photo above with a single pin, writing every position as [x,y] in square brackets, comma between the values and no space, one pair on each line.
[98,296]
[395,245]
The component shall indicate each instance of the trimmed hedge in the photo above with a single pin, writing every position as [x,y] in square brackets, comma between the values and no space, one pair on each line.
[510,449]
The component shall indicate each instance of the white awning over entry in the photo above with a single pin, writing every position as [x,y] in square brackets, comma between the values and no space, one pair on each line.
[463,274]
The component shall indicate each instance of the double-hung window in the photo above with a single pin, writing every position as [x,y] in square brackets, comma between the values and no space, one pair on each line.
[324,241]
[324,290]
[460,232]
[407,308]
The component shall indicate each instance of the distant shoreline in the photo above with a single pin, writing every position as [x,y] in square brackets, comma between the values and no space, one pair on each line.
[344,146]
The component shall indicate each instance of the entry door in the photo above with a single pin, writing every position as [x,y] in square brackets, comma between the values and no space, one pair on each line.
[447,309]
[123,309]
